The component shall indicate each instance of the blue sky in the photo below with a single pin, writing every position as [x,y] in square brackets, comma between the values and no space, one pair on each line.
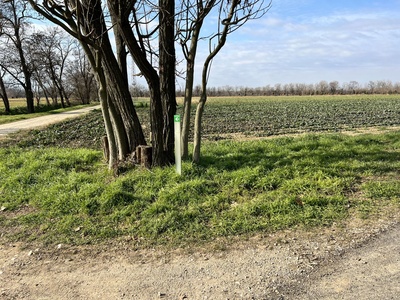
[306,41]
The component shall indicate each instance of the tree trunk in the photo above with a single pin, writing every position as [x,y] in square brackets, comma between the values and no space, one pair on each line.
[198,129]
[204,74]
[111,139]
[157,124]
[121,54]
[153,81]
[167,74]
[4,96]
[118,90]
[111,142]
[187,109]
[30,102]
[187,102]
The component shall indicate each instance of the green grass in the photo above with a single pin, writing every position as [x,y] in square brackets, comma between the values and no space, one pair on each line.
[58,195]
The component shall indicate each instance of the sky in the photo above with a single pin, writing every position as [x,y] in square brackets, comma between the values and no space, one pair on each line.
[306,41]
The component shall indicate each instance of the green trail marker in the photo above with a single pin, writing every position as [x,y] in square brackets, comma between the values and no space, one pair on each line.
[177,136]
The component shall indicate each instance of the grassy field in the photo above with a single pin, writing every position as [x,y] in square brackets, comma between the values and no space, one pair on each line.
[54,190]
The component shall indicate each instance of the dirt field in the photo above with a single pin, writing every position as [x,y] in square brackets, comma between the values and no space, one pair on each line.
[358,261]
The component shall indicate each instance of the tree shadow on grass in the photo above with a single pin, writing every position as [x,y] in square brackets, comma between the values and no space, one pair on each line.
[367,153]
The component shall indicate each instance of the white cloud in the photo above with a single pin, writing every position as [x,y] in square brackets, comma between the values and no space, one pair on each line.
[299,46]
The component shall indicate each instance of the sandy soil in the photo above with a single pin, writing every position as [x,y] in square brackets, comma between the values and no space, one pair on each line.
[357,261]
[42,121]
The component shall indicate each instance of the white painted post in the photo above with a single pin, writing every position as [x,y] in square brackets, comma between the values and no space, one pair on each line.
[177,135]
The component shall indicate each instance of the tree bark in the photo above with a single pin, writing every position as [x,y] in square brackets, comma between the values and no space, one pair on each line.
[167,62]
[198,129]
[121,54]
[187,102]
[4,96]
[153,81]
[117,87]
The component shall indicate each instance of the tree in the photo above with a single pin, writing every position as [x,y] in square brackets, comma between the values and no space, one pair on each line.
[353,87]
[334,86]
[86,21]
[79,76]
[49,54]
[322,87]
[233,14]
[3,93]
[189,24]
[14,16]
[137,38]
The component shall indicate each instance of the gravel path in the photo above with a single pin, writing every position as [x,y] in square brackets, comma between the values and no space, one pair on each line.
[336,263]
[42,121]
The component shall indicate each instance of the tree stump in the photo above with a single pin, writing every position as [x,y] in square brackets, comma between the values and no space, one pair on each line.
[106,148]
[144,156]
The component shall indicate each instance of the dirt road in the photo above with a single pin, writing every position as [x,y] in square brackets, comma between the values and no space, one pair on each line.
[42,121]
[358,262]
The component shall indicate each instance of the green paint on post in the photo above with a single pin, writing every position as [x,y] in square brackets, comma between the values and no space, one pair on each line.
[177,118]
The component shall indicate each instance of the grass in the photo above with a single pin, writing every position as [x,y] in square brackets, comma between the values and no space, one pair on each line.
[55,195]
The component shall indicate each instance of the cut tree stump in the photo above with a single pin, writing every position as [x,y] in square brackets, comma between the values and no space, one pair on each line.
[106,148]
[144,156]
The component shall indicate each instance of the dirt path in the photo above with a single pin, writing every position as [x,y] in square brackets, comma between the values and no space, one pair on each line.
[42,121]
[356,262]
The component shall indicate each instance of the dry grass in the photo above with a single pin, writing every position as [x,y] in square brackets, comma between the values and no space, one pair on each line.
[14,102]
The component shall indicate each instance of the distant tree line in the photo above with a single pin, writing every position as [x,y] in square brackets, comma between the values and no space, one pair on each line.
[302,89]
[289,89]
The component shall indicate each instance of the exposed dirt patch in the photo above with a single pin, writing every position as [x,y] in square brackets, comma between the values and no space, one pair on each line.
[42,121]
[354,260]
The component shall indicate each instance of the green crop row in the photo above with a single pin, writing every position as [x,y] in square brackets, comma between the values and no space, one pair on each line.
[251,116]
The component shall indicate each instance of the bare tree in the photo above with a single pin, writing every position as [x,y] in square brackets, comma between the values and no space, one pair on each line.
[85,21]
[3,93]
[233,14]
[14,16]
[322,87]
[189,23]
[334,86]
[134,20]
[49,51]
[79,76]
